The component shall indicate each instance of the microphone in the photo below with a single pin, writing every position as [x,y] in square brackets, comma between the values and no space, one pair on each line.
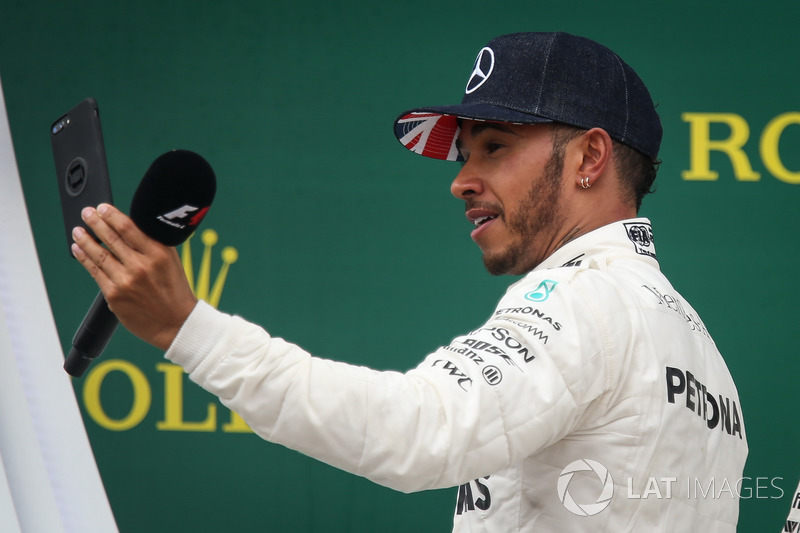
[171,200]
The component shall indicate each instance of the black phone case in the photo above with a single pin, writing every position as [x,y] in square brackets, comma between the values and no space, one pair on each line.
[80,160]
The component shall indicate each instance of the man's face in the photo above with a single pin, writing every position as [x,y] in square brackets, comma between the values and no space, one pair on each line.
[512,185]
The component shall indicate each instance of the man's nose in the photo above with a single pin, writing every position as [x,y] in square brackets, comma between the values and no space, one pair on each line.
[467,183]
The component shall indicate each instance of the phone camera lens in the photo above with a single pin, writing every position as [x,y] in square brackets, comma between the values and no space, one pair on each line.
[60,125]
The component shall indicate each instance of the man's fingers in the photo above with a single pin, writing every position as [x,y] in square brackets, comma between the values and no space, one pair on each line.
[142,280]
[85,245]
[113,240]
[117,231]
[124,226]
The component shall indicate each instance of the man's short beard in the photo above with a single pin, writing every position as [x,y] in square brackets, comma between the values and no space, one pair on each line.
[540,212]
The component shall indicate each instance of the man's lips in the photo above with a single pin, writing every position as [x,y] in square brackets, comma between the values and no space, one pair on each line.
[482,218]
[481,215]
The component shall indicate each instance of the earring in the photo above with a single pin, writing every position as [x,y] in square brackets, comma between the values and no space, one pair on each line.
[585,182]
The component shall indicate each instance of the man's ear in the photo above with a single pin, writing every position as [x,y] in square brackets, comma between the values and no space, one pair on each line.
[594,152]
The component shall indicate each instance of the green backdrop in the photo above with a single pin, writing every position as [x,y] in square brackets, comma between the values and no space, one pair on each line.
[352,246]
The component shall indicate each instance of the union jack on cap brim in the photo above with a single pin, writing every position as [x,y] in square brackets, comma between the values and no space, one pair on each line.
[429,134]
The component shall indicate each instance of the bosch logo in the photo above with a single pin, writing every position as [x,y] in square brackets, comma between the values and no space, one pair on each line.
[565,479]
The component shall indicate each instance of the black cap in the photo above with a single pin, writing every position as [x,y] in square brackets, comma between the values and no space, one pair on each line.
[538,78]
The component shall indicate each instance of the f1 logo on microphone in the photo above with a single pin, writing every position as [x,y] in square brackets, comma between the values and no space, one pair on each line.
[173,217]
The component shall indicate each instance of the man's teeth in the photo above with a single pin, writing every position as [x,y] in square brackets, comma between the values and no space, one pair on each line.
[481,220]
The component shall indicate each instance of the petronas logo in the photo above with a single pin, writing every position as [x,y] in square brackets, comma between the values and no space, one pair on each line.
[203,288]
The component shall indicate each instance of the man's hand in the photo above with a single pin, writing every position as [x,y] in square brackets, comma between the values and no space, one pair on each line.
[143,281]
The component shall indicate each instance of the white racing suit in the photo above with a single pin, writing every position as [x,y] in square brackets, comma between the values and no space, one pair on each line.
[593,399]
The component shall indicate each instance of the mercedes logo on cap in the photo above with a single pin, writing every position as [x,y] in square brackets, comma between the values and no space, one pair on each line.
[484,65]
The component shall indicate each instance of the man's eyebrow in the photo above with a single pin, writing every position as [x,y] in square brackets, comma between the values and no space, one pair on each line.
[480,127]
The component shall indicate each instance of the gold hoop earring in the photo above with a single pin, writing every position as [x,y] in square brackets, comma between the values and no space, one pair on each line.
[585,182]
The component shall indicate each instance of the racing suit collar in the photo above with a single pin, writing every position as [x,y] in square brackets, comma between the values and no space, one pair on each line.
[634,236]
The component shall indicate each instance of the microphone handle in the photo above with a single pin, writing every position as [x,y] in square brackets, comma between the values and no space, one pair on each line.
[90,340]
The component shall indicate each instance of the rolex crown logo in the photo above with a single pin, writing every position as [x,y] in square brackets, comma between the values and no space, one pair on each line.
[229,256]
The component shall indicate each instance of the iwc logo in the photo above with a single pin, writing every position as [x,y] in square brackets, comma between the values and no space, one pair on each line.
[585,465]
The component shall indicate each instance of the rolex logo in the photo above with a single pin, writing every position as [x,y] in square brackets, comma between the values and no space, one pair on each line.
[202,288]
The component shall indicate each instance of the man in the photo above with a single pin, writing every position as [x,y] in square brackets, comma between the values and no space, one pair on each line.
[593,399]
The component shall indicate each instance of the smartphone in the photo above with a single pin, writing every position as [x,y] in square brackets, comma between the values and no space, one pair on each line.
[81,167]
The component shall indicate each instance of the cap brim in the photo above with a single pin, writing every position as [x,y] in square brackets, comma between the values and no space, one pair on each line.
[432,131]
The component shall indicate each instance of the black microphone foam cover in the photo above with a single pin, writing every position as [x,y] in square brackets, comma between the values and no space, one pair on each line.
[173,196]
